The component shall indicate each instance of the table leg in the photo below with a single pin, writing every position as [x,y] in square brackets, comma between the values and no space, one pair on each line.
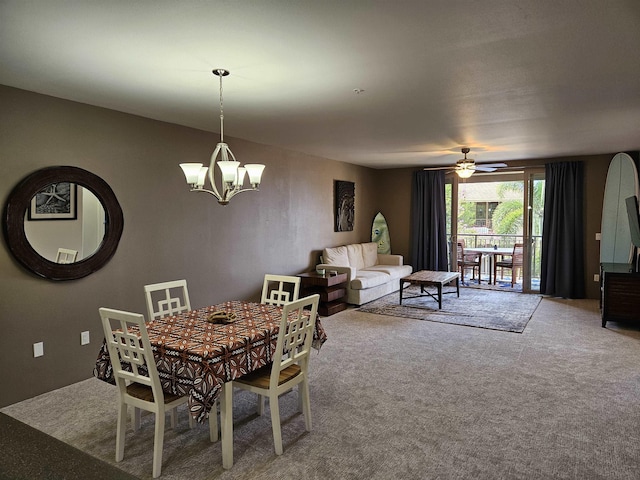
[440,295]
[491,260]
[458,286]
[226,427]
[401,284]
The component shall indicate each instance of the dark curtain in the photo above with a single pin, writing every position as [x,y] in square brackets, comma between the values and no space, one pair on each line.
[428,225]
[562,273]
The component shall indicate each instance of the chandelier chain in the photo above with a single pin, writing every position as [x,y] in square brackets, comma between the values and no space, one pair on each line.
[221,113]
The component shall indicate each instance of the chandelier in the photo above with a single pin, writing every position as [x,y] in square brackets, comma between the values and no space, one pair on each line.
[232,173]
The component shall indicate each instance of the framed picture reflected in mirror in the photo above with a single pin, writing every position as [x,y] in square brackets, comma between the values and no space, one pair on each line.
[57,201]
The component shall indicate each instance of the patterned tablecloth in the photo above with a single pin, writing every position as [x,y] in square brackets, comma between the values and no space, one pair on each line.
[195,357]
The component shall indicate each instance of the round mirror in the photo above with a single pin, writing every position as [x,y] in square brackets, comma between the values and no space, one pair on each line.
[63,222]
[65,241]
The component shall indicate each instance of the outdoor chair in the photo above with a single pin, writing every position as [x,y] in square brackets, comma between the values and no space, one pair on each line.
[468,260]
[514,262]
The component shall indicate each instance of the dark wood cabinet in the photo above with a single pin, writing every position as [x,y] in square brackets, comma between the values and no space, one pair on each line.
[619,293]
[331,288]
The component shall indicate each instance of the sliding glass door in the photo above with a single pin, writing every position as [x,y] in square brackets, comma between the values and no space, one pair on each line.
[532,234]
[497,211]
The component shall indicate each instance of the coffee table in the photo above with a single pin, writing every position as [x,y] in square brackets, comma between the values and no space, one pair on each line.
[426,278]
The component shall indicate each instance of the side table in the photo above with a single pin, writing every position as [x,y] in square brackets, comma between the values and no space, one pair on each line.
[331,288]
[619,292]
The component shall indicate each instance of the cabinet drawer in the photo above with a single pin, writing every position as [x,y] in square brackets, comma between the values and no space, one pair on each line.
[326,294]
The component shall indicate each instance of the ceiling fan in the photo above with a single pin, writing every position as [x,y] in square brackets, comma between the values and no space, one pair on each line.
[466,167]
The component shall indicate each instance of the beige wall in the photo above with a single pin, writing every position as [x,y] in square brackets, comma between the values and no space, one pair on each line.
[170,233]
[398,199]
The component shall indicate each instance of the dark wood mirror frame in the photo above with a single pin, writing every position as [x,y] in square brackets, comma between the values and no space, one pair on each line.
[18,203]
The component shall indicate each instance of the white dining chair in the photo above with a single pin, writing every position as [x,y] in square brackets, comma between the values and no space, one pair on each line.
[167,298]
[170,298]
[66,255]
[290,365]
[128,342]
[279,289]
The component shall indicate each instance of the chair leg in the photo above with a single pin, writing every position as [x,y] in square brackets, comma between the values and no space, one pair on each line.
[303,394]
[213,423]
[226,424]
[158,441]
[173,415]
[136,417]
[191,422]
[275,423]
[262,401]
[121,430]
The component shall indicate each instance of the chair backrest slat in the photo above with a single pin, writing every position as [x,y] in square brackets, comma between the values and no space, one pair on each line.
[280,289]
[295,335]
[518,254]
[130,349]
[66,255]
[167,298]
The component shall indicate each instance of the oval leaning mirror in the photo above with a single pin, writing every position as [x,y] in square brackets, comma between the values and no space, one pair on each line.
[63,222]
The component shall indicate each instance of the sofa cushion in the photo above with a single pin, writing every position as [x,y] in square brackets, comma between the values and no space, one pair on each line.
[393,271]
[354,252]
[369,254]
[368,279]
[336,256]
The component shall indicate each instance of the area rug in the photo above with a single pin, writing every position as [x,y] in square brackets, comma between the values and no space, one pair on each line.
[501,286]
[494,310]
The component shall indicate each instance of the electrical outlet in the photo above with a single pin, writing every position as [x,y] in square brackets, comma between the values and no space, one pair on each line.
[596,277]
[38,349]
[84,338]
[598,236]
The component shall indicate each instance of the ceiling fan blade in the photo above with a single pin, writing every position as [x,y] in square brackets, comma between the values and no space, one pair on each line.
[491,165]
[436,168]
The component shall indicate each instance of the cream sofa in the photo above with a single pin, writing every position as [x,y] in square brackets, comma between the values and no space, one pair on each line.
[370,275]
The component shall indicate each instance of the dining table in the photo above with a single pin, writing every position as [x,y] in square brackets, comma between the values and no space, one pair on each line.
[199,358]
[490,252]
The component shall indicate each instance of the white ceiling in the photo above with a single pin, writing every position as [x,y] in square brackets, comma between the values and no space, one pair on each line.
[512,79]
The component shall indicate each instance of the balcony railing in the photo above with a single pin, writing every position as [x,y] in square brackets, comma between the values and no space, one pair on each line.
[472,240]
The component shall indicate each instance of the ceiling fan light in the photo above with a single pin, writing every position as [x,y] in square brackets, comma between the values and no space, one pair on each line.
[465,172]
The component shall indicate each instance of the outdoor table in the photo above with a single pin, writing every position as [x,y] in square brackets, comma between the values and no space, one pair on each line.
[491,252]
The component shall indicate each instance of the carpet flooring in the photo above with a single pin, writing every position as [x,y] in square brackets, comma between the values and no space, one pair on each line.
[482,308]
[29,454]
[396,398]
